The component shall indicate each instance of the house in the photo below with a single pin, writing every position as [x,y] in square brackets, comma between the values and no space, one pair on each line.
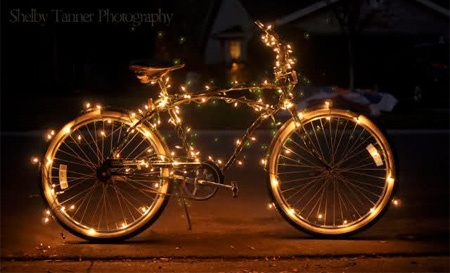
[390,30]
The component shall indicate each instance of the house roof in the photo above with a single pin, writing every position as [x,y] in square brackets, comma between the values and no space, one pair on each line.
[438,6]
[233,32]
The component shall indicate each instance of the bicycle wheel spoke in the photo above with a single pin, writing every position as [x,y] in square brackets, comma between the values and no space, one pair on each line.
[94,200]
[327,177]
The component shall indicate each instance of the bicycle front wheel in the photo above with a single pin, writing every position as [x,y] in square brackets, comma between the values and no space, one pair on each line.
[98,203]
[331,175]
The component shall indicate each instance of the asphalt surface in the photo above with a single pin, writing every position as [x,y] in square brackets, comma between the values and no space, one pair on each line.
[235,235]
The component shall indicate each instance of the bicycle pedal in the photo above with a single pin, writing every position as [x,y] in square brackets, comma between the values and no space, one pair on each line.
[234,189]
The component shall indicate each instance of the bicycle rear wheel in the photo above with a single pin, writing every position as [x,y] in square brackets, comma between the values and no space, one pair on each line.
[332,175]
[96,203]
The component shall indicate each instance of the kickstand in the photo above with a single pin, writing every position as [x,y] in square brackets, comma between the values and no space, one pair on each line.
[186,212]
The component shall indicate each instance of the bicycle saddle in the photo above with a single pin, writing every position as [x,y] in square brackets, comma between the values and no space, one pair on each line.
[147,73]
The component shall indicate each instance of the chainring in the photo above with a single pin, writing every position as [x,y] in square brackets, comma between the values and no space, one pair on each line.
[206,171]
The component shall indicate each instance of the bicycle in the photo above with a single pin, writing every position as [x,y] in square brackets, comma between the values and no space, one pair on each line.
[108,174]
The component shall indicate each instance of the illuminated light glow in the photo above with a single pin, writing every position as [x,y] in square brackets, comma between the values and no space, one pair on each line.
[328,118]
[98,106]
[203,100]
[292,212]
[49,136]
[79,137]
[124,225]
[238,142]
[275,182]
[48,212]
[372,210]
[35,160]
[102,133]
[117,155]
[356,119]
[49,161]
[239,162]
[287,104]
[187,96]
[298,124]
[172,153]
[287,151]
[156,185]
[253,138]
[345,222]
[72,207]
[263,161]
[207,87]
[235,104]
[109,121]
[46,220]
[396,202]
[270,206]
[87,105]
[133,114]
[219,161]
[67,130]
[320,216]
[210,158]
[390,180]
[63,209]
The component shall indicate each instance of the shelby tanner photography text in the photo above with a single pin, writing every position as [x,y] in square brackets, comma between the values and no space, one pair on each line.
[43,17]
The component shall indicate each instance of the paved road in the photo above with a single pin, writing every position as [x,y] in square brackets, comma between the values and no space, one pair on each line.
[242,228]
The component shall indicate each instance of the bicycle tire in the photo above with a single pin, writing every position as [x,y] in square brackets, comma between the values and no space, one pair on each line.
[103,211]
[332,175]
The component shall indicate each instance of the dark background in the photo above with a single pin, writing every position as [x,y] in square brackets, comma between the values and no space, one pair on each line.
[56,67]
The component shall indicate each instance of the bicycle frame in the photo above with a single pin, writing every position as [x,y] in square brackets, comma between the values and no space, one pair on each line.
[285,81]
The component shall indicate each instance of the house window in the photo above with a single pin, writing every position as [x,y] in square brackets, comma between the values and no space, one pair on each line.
[235,50]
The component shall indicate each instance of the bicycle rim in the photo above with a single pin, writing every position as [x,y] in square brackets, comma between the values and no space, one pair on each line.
[333,174]
[103,209]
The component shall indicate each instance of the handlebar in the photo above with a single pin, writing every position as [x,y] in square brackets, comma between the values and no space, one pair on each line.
[283,64]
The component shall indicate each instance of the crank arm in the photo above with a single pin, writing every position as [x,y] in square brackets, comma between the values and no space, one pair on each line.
[205,182]
[233,187]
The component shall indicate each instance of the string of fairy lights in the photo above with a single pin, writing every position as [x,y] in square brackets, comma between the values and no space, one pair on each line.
[171,102]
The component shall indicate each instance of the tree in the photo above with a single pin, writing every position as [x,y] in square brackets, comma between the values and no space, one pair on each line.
[353,20]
